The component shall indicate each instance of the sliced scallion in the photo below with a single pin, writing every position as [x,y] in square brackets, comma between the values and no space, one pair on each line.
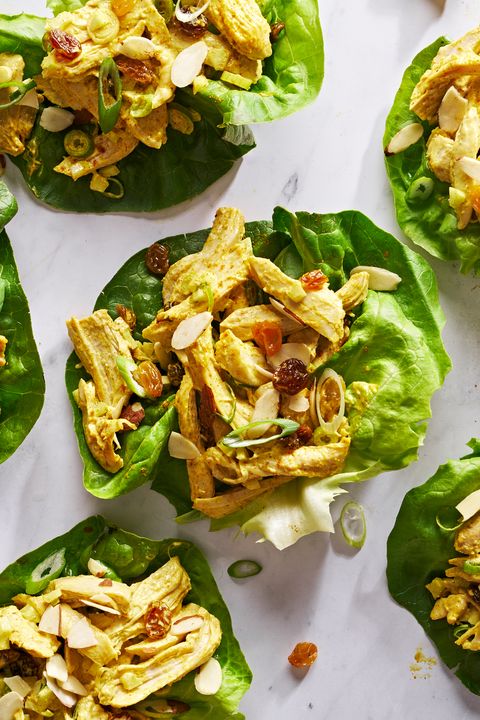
[228,419]
[448,520]
[353,525]
[461,630]
[126,368]
[244,568]
[46,571]
[234,439]
[109,79]
[22,87]
[120,189]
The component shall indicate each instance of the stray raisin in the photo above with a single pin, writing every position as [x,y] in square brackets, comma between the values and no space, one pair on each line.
[158,621]
[476,594]
[268,336]
[301,437]
[291,377]
[304,655]
[156,259]
[134,414]
[206,414]
[135,69]
[150,378]
[128,315]
[83,117]
[193,28]
[275,31]
[175,373]
[64,45]
[313,280]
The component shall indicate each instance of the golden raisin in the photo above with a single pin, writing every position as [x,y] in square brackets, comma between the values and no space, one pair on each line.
[304,655]
[64,45]
[313,280]
[268,336]
[329,399]
[128,315]
[139,71]
[156,259]
[291,376]
[122,7]
[158,621]
[150,378]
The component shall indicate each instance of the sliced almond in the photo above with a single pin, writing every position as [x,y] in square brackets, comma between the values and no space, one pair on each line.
[469,506]
[181,447]
[452,110]
[10,704]
[56,119]
[283,311]
[379,278]
[470,167]
[66,698]
[56,668]
[81,635]
[30,99]
[186,625]
[208,679]
[102,608]
[138,48]
[188,64]
[51,620]
[266,408]
[96,568]
[407,136]
[189,17]
[73,685]
[103,598]
[266,373]
[18,685]
[190,329]
[290,350]
[299,403]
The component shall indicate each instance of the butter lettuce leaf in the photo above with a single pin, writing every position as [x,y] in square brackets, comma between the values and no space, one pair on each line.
[395,347]
[418,550]
[22,385]
[130,556]
[431,223]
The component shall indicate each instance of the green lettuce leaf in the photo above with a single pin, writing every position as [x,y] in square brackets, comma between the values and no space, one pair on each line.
[432,223]
[418,550]
[22,386]
[292,76]
[395,344]
[23,34]
[130,556]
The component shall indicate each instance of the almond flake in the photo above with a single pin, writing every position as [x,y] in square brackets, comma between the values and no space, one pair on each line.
[81,635]
[470,167]
[103,608]
[407,136]
[66,698]
[299,403]
[452,110]
[181,447]
[96,568]
[50,620]
[190,329]
[17,685]
[10,704]
[379,279]
[56,119]
[188,64]
[266,408]
[73,685]
[138,48]
[300,351]
[208,680]
[56,668]
[187,625]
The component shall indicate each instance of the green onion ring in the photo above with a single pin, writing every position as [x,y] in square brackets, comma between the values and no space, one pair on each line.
[460,630]
[353,525]
[108,113]
[443,524]
[228,419]
[22,88]
[244,569]
[234,439]
[121,190]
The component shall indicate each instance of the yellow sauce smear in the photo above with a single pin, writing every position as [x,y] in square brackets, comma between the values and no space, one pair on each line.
[420,669]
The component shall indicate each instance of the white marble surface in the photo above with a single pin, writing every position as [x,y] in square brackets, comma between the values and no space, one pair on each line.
[326,158]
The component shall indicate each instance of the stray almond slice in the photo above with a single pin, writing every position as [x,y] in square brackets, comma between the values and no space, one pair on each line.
[190,329]
[102,608]
[299,403]
[208,680]
[73,685]
[187,625]
[188,64]
[266,408]
[407,136]
[283,311]
[138,48]
[81,635]
[266,373]
[55,119]
[66,698]
[96,568]
[300,351]
[470,167]
[10,704]
[18,685]
[104,599]
[50,622]
[181,447]
[452,110]
[379,278]
[56,668]
[469,506]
